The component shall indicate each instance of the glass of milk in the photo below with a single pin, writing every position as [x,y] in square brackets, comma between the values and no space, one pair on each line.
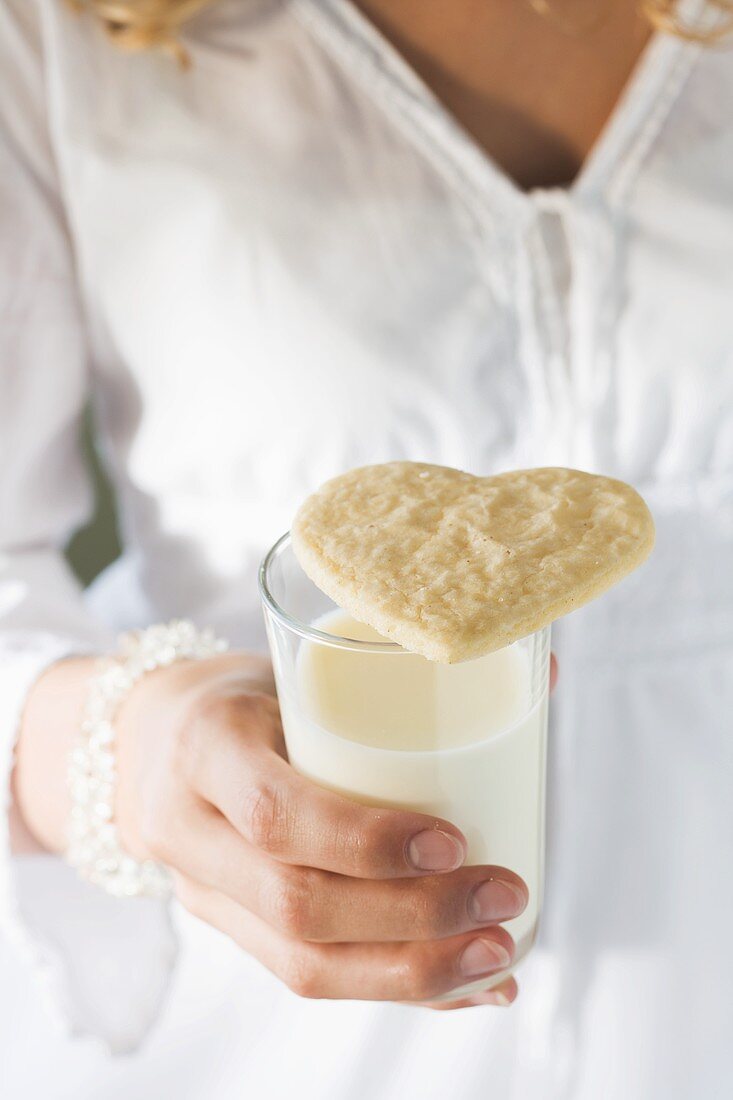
[366,718]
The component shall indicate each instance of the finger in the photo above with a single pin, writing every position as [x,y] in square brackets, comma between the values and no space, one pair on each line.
[501,995]
[553,671]
[292,819]
[413,972]
[321,906]
[248,671]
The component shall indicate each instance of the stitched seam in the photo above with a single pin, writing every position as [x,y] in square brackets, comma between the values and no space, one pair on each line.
[624,178]
[399,105]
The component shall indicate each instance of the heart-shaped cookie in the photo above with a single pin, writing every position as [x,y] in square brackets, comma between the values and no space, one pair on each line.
[453,566]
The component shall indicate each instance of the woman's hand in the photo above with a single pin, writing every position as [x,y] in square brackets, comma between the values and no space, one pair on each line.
[337,899]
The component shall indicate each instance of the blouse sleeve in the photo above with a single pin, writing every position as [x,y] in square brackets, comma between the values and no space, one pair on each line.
[103,963]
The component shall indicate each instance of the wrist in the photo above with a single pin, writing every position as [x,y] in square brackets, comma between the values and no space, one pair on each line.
[95,847]
[49,725]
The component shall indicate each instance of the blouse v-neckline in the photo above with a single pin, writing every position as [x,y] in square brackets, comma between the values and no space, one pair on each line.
[608,168]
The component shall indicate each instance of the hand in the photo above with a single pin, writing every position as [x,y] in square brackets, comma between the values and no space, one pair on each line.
[339,900]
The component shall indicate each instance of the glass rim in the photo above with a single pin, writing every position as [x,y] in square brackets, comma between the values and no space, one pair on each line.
[306,630]
[312,633]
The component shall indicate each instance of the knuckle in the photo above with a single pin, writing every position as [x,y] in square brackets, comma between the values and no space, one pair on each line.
[300,973]
[263,817]
[370,845]
[431,913]
[260,703]
[205,711]
[416,978]
[221,708]
[220,711]
[290,903]
[243,710]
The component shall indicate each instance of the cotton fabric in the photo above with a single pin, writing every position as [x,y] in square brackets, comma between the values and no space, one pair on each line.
[286,261]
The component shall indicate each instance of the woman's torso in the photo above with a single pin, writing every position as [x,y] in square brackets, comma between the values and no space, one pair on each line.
[292,262]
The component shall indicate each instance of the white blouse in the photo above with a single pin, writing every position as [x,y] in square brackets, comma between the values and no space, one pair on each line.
[286,261]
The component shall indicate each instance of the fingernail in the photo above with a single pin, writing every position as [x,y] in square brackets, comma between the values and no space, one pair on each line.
[483,957]
[495,900]
[433,850]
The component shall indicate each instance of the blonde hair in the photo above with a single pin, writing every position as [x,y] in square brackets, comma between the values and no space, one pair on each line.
[664,16]
[141,24]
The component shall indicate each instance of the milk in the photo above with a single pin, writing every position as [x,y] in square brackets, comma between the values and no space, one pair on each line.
[389,728]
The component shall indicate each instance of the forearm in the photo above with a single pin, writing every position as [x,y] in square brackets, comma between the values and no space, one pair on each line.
[51,720]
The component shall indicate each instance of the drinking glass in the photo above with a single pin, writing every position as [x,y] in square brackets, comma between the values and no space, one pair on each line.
[366,718]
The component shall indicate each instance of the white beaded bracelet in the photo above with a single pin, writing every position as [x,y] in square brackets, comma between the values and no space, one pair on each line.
[94,846]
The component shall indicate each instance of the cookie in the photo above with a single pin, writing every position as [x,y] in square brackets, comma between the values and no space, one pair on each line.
[453,566]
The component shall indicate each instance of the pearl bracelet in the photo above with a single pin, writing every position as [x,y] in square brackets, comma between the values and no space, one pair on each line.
[94,847]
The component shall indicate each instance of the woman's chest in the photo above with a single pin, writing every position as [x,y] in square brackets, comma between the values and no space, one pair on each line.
[533,84]
[293,278]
